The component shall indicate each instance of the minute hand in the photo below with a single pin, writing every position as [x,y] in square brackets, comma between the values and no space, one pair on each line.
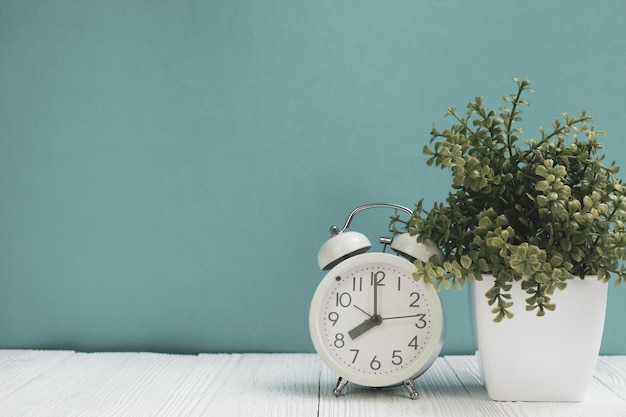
[374,277]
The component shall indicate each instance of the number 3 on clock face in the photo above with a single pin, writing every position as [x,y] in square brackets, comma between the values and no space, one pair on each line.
[373,324]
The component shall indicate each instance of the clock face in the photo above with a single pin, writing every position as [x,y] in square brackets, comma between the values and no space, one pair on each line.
[373,324]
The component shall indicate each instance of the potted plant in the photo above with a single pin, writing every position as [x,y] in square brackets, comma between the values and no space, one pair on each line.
[527,222]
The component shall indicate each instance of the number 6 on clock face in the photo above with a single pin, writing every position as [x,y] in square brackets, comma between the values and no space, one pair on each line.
[373,324]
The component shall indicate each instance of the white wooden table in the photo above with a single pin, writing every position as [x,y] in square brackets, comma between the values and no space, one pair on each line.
[66,383]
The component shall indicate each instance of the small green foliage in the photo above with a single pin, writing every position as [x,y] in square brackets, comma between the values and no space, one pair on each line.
[541,210]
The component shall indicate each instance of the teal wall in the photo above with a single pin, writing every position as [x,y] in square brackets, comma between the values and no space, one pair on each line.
[169,169]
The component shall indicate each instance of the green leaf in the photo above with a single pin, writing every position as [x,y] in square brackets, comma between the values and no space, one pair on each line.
[466,262]
[542,171]
[542,186]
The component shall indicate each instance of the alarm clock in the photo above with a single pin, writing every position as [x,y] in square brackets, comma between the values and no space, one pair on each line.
[370,321]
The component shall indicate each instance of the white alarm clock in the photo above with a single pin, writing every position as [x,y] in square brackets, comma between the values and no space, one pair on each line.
[370,321]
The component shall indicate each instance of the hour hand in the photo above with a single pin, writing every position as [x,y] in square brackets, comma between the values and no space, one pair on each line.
[365,326]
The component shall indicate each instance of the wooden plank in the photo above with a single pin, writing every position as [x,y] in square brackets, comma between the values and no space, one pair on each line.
[20,367]
[439,393]
[99,384]
[48,383]
[134,384]
[264,385]
[600,401]
[611,372]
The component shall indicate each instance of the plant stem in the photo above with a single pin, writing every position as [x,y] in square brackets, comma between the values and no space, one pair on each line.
[509,125]
[462,121]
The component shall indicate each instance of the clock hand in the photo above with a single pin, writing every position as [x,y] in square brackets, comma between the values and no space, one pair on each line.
[374,277]
[402,317]
[367,325]
[362,311]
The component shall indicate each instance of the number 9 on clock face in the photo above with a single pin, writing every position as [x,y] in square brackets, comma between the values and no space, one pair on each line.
[373,324]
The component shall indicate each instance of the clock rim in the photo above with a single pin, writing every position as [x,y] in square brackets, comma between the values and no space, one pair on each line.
[424,361]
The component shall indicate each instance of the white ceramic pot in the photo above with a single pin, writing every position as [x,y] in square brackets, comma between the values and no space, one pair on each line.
[549,358]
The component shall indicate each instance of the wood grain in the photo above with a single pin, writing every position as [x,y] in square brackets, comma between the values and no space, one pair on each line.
[70,384]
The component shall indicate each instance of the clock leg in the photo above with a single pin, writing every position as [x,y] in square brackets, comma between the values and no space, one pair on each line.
[408,384]
[341,384]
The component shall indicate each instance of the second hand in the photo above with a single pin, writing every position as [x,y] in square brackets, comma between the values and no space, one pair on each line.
[403,317]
